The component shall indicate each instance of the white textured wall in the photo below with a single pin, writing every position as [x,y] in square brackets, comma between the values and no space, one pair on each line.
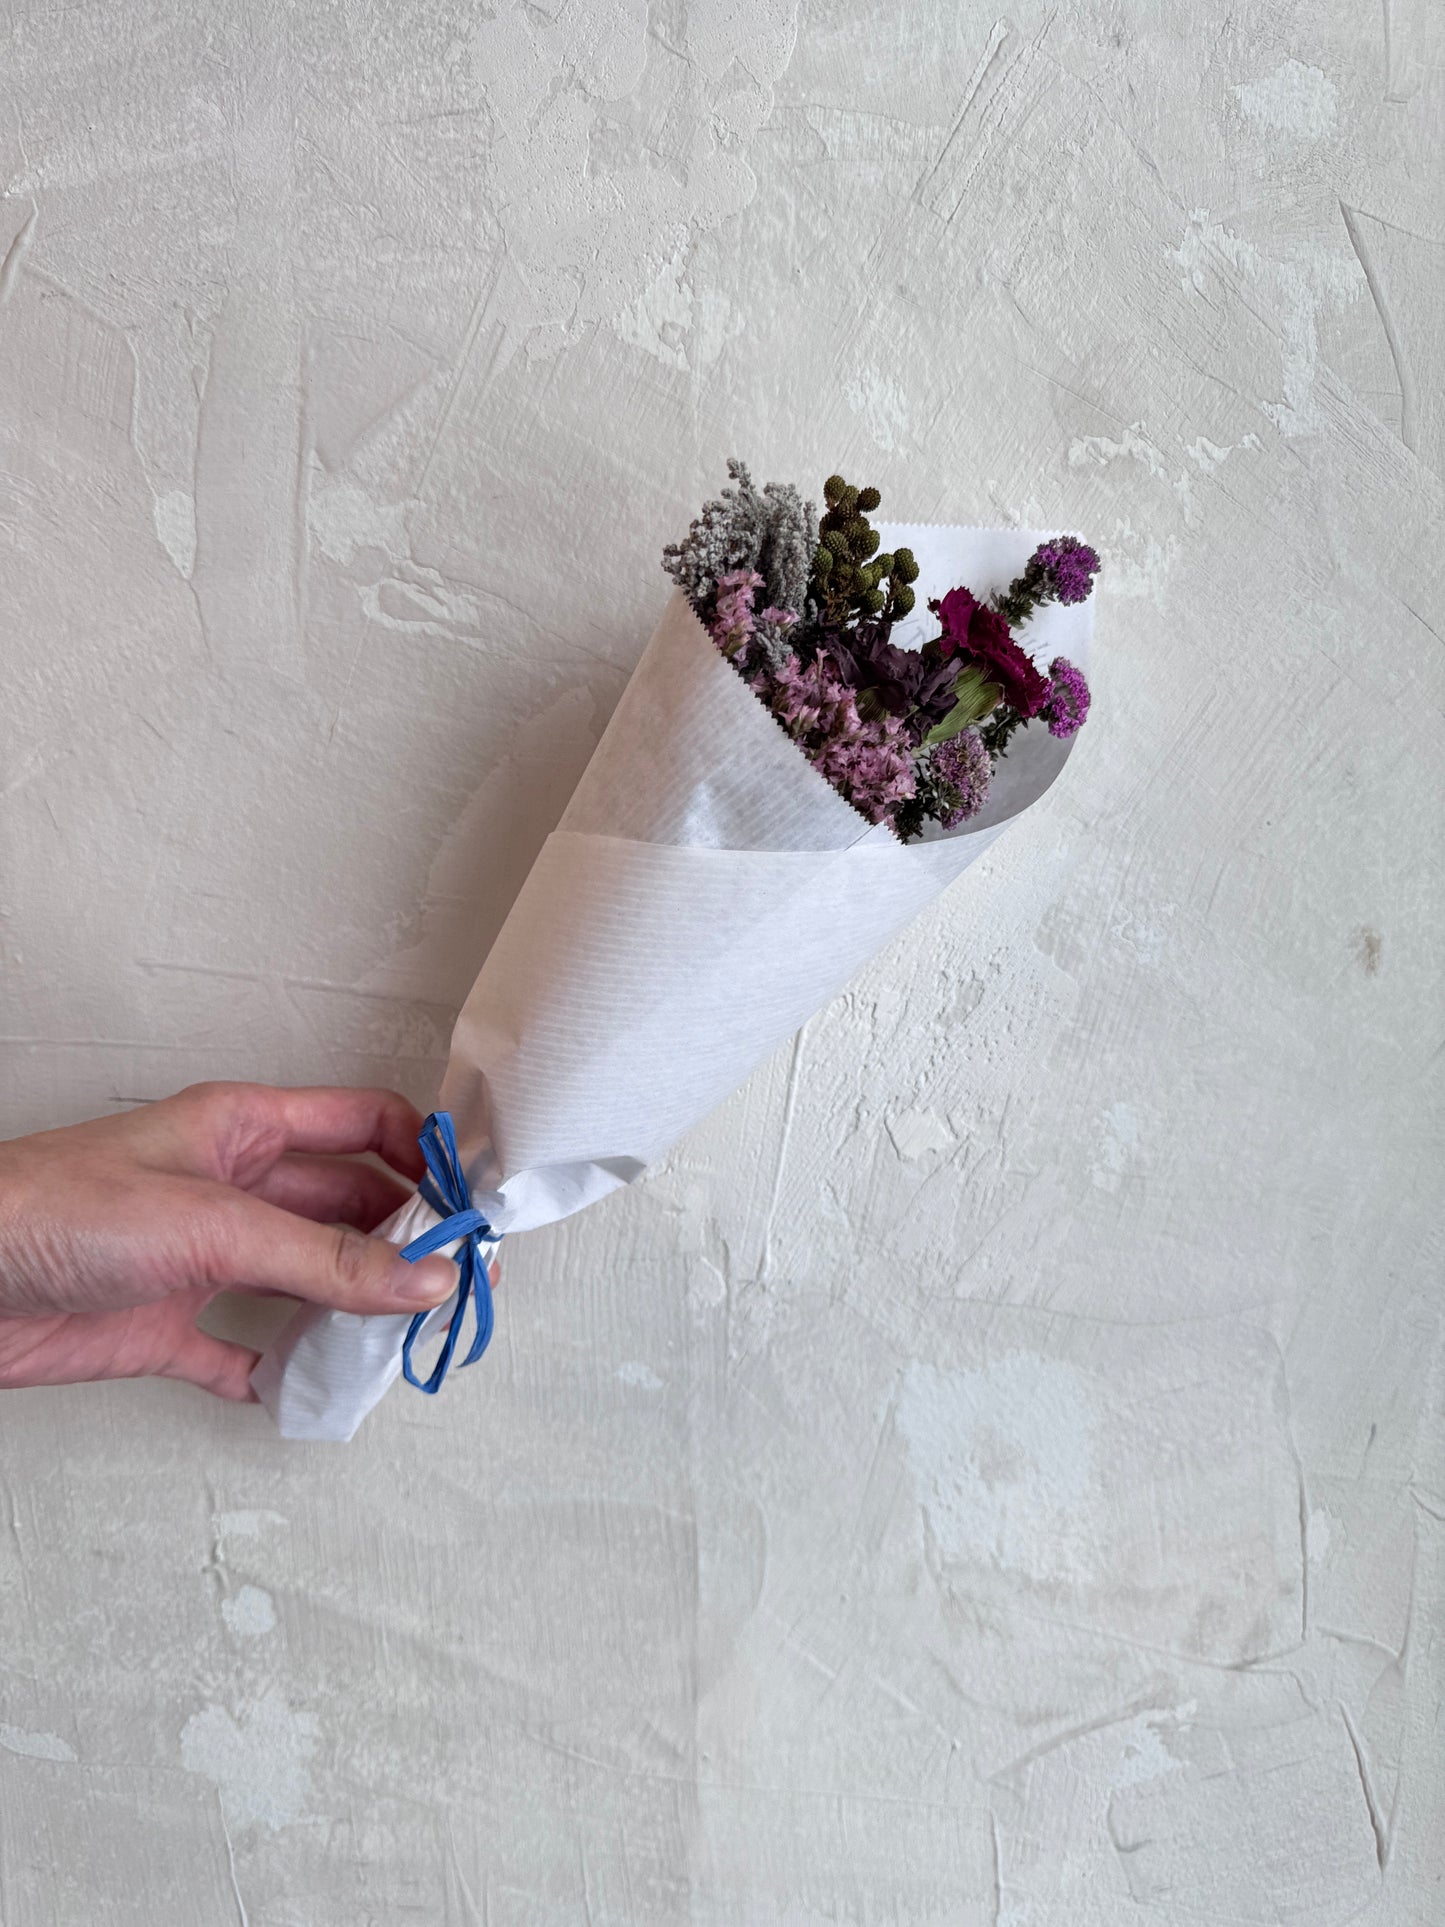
[992,1476]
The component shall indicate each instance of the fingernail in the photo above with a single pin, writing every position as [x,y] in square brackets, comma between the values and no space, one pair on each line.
[427,1282]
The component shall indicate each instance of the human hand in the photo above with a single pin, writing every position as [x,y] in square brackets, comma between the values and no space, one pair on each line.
[114,1235]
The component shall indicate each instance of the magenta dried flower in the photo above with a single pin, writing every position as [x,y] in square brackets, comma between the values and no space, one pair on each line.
[975,634]
[1070,566]
[1068,700]
[962,769]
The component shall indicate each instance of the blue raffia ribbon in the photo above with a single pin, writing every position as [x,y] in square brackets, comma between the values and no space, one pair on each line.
[445,1189]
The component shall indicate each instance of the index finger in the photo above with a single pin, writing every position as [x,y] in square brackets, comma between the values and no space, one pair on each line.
[332,1118]
[248,1126]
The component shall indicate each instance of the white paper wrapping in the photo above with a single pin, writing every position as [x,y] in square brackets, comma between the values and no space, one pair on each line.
[705,892]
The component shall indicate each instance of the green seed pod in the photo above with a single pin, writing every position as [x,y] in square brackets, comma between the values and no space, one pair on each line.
[904,566]
[903,600]
[866,544]
[868,499]
[837,542]
[832,489]
[847,502]
[873,601]
[885,562]
[823,563]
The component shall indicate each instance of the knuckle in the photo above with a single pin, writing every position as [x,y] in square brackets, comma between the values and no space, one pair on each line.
[234,1119]
[214,1108]
[353,1258]
[211,1094]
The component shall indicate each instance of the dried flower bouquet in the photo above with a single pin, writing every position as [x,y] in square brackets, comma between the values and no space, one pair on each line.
[805,611]
[824,731]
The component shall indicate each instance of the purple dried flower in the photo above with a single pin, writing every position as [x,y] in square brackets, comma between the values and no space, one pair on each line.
[1069,566]
[1068,702]
[869,763]
[963,770]
[913,684]
[1059,570]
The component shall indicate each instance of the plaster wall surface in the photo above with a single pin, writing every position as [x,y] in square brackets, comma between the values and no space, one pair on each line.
[992,1473]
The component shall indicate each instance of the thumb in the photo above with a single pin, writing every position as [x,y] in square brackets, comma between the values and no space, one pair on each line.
[261,1247]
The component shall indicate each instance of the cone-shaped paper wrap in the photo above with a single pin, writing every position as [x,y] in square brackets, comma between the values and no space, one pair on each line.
[705,892]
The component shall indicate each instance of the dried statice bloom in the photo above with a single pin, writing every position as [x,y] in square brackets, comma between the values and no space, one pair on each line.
[868,763]
[755,642]
[732,620]
[873,770]
[768,530]
[1068,702]
[803,699]
[962,771]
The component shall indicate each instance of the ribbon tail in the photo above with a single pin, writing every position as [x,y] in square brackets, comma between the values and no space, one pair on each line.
[455,1323]
[484,1312]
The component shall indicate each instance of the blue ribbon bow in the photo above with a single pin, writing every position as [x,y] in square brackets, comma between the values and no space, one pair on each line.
[445,1189]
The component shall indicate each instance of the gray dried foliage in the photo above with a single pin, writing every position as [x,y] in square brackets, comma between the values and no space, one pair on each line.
[772,530]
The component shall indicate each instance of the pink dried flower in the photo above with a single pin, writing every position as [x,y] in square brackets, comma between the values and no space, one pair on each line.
[732,622]
[869,763]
